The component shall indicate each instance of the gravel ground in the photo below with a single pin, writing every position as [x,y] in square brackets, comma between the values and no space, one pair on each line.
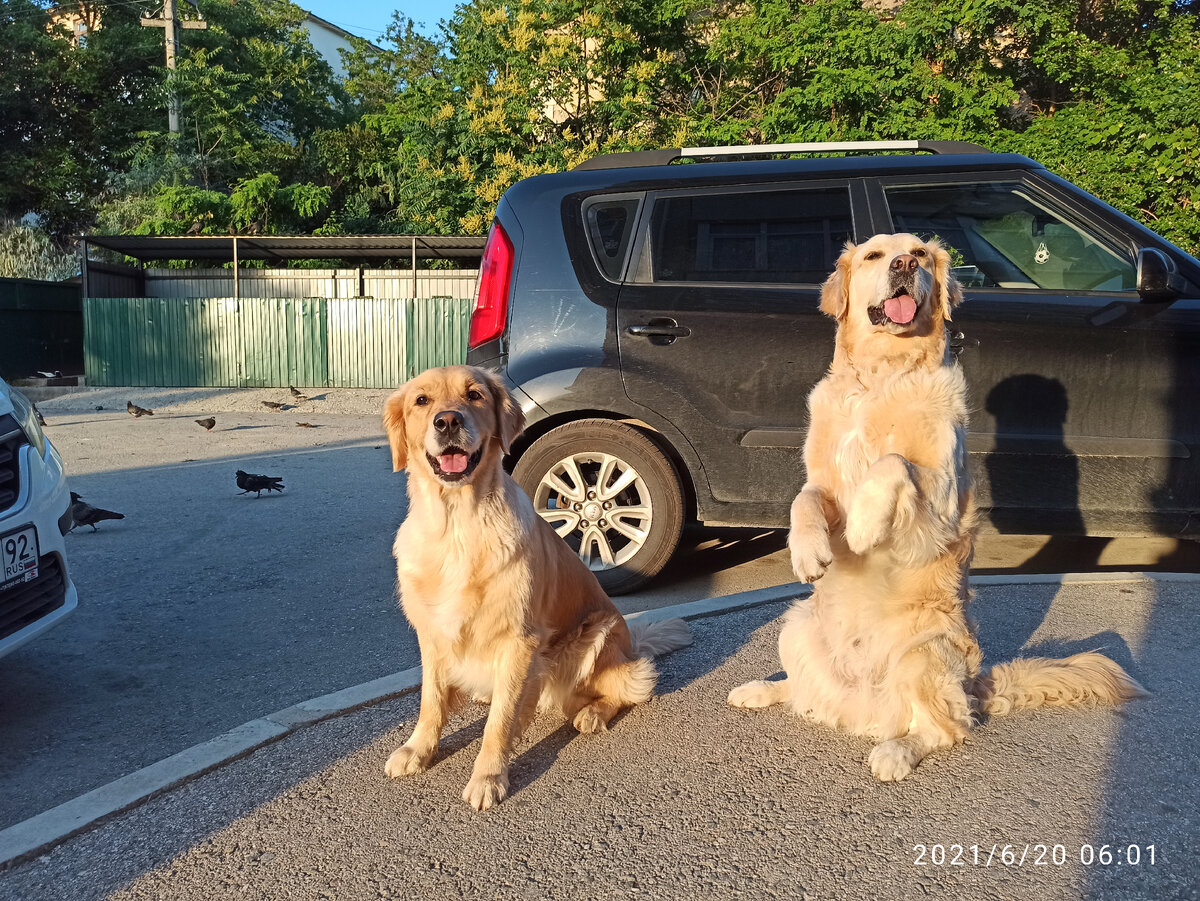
[201,402]
[687,798]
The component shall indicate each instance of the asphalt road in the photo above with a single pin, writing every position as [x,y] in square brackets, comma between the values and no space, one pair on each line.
[688,798]
[204,609]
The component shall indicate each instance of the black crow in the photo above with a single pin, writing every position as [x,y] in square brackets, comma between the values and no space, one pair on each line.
[248,482]
[207,424]
[135,411]
[84,514]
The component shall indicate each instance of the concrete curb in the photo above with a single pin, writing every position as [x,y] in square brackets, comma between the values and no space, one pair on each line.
[38,834]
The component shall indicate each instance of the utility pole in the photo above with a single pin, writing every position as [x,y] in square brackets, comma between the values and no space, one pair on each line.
[170,24]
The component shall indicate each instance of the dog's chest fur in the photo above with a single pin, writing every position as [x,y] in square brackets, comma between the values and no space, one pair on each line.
[463,572]
[920,415]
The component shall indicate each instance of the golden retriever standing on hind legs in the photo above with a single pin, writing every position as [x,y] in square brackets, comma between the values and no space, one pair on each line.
[502,607]
[884,526]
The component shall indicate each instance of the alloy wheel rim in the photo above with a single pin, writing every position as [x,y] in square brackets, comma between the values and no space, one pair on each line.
[599,504]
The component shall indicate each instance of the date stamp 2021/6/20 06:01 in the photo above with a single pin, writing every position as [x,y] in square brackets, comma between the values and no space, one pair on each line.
[1037,855]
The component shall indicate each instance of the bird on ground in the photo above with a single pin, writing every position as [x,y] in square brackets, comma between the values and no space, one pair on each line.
[84,514]
[135,411]
[248,482]
[297,394]
[306,425]
[207,424]
[99,407]
[271,405]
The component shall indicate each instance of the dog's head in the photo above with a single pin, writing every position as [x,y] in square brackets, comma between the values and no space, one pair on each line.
[892,284]
[448,422]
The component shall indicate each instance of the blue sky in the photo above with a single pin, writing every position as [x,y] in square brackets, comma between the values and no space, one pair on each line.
[369,18]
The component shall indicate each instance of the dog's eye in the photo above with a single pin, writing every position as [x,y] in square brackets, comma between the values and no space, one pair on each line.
[874,255]
[919,252]
[474,395]
[422,400]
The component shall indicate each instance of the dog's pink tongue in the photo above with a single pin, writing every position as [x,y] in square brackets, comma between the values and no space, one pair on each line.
[453,462]
[900,310]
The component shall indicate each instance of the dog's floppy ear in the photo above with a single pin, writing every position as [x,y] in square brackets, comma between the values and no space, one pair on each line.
[510,419]
[835,293]
[947,290]
[393,424]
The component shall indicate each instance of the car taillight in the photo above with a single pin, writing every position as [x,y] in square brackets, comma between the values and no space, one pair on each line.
[495,275]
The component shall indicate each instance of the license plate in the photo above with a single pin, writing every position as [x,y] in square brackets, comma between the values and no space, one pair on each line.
[19,556]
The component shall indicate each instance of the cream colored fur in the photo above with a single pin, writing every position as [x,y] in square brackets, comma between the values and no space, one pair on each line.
[884,526]
[502,608]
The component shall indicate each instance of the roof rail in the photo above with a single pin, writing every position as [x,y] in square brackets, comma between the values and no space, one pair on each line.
[633,158]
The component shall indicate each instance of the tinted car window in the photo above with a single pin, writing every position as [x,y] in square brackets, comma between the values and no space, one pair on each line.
[791,236]
[1002,236]
[610,227]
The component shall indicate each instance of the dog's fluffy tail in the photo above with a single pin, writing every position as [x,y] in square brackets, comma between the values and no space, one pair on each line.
[656,639]
[1088,678]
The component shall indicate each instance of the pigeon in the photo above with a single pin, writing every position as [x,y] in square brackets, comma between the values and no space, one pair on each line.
[271,405]
[248,482]
[207,424]
[41,420]
[135,411]
[296,394]
[306,425]
[84,514]
[99,408]
[56,374]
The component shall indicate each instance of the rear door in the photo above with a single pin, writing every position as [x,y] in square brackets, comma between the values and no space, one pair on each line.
[1073,427]
[720,333]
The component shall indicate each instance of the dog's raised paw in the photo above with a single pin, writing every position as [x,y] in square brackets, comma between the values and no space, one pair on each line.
[811,555]
[484,792]
[405,761]
[865,527]
[890,761]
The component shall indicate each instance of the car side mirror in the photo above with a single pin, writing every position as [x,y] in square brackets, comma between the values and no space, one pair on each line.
[1157,278]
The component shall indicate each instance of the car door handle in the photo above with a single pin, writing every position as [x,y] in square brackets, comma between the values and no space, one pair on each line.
[668,328]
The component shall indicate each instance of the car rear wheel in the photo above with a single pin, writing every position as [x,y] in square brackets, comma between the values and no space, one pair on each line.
[611,494]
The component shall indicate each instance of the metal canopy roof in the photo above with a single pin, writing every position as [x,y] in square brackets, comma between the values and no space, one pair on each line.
[284,247]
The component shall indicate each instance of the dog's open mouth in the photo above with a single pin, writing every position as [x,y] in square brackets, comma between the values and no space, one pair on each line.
[454,463]
[900,309]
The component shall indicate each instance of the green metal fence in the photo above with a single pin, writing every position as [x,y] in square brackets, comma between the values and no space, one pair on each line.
[40,328]
[361,342]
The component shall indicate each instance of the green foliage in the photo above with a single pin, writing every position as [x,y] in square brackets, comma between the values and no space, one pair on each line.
[28,252]
[425,134]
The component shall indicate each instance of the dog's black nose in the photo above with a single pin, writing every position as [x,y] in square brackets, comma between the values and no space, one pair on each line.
[448,421]
[906,262]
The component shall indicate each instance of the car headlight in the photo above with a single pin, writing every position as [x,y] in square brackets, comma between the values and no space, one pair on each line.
[29,424]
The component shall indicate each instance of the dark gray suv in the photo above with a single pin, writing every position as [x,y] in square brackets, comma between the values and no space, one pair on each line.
[655,313]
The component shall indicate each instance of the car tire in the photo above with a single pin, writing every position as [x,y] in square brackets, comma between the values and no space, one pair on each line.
[611,493]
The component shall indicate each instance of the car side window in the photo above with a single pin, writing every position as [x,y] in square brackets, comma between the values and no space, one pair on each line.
[773,237]
[610,228]
[1000,235]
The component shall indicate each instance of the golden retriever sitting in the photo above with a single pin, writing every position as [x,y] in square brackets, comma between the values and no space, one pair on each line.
[884,525]
[502,607]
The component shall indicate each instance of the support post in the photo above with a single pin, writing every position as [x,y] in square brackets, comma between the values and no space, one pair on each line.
[414,268]
[237,289]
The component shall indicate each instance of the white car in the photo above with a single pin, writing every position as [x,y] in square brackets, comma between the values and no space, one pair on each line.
[36,590]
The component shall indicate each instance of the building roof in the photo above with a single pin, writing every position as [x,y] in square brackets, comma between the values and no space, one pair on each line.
[289,247]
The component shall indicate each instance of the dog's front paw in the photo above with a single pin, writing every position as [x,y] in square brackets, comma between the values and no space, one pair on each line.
[891,761]
[865,527]
[588,720]
[483,792]
[406,761]
[759,693]
[811,554]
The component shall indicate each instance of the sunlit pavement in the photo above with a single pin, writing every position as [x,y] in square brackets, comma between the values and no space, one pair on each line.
[686,797]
